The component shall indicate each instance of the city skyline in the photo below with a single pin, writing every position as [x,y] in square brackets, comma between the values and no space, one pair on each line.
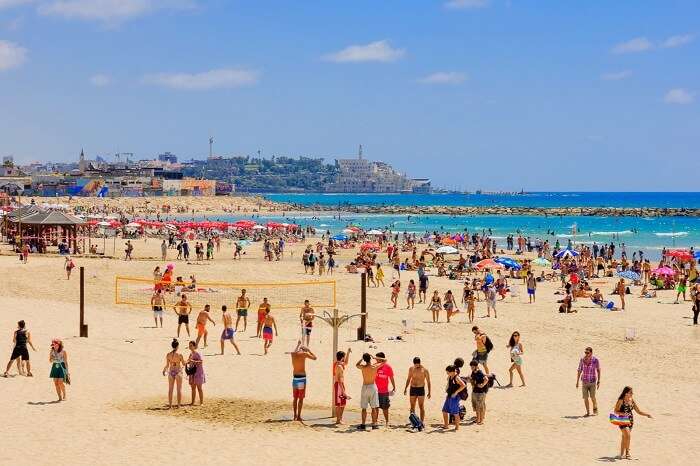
[508,94]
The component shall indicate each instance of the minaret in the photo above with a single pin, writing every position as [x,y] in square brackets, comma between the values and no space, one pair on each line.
[81,162]
[359,153]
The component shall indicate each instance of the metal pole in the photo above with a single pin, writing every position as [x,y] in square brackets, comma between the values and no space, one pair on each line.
[83,327]
[335,351]
[362,331]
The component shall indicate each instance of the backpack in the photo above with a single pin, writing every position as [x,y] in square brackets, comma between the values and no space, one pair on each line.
[415,421]
[491,380]
[488,344]
[463,395]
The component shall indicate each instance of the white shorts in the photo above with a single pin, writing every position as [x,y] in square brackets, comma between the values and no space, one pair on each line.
[369,397]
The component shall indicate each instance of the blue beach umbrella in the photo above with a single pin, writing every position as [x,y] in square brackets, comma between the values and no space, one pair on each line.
[340,237]
[697,254]
[629,275]
[508,262]
[566,252]
[542,262]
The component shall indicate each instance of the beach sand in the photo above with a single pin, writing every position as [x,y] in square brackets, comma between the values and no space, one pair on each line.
[114,413]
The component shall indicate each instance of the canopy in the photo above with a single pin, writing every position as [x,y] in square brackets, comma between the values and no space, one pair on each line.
[629,275]
[566,253]
[448,241]
[664,271]
[372,246]
[447,250]
[508,262]
[488,264]
[542,262]
[681,254]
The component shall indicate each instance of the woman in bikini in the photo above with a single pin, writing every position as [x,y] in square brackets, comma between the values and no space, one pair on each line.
[411,295]
[435,306]
[197,379]
[173,368]
[625,406]
[450,305]
[395,290]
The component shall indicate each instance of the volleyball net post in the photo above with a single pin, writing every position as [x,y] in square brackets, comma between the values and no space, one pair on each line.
[83,325]
[362,330]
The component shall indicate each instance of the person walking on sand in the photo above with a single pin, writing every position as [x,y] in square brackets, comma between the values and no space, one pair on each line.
[20,339]
[418,378]
[531,287]
[157,305]
[395,290]
[228,332]
[471,305]
[195,372]
[379,275]
[340,394]
[450,305]
[262,312]
[450,407]
[202,318]
[479,383]
[174,361]
[588,374]
[58,357]
[422,288]
[299,356]
[385,374]
[411,295]
[621,291]
[306,318]
[164,250]
[483,343]
[69,265]
[369,397]
[626,407]
[516,358]
[183,309]
[435,306]
[242,305]
[268,324]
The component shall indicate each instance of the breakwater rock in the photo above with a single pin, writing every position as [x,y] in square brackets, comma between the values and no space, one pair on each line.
[498,210]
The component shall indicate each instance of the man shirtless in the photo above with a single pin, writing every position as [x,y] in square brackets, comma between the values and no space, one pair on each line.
[183,309]
[157,305]
[306,317]
[268,324]
[418,377]
[299,357]
[242,305]
[262,310]
[228,332]
[621,291]
[339,392]
[369,397]
[202,318]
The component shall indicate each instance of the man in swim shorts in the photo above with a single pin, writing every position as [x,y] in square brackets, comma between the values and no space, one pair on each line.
[183,309]
[531,286]
[339,393]
[264,306]
[157,305]
[482,353]
[242,305]
[306,317]
[228,332]
[418,377]
[202,318]
[268,324]
[369,397]
[299,357]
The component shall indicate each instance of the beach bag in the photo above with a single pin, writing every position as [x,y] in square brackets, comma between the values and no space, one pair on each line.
[488,344]
[190,369]
[620,420]
[491,380]
[463,395]
[66,377]
[415,421]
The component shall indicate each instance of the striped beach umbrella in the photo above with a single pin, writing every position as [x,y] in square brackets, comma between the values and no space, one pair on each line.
[629,275]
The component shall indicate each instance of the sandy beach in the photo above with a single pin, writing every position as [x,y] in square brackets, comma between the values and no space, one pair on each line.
[115,409]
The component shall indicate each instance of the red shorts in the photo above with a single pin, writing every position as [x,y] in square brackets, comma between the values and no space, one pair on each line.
[339,394]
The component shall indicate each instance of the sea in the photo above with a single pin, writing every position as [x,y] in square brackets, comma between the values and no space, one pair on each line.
[648,234]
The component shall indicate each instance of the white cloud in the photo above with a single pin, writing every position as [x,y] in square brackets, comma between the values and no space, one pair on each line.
[11,3]
[444,77]
[380,51]
[109,10]
[679,96]
[638,44]
[466,4]
[100,80]
[616,75]
[213,79]
[11,55]
[678,41]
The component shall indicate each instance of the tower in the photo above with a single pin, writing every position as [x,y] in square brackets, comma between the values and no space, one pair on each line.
[81,162]
[359,153]
[211,147]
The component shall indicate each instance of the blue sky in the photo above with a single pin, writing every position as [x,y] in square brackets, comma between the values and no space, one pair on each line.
[499,94]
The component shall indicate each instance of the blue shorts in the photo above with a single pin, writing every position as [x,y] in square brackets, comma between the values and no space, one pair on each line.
[531,291]
[451,405]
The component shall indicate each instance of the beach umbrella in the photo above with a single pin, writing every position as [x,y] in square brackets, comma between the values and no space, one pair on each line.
[259,227]
[104,224]
[349,231]
[629,275]
[447,250]
[243,242]
[541,261]
[508,262]
[170,226]
[133,225]
[340,237]
[447,241]
[697,254]
[664,271]
[488,264]
[372,246]
[374,232]
[680,254]
[566,253]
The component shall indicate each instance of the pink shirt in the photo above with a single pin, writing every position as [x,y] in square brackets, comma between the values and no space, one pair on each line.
[382,380]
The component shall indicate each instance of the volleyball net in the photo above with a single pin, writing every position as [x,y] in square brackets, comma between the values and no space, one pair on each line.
[135,291]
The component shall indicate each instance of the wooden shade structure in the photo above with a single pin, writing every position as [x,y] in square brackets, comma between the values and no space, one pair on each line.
[33,222]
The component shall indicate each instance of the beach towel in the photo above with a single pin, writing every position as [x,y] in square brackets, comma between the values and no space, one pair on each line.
[620,420]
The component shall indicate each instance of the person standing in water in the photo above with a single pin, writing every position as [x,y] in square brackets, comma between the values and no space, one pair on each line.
[174,361]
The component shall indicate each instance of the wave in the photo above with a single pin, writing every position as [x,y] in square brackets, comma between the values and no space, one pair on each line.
[610,233]
[675,233]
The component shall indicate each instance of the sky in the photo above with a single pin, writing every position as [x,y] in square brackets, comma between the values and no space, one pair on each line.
[541,95]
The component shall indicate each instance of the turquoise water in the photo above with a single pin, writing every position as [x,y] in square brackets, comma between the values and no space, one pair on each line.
[537,199]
